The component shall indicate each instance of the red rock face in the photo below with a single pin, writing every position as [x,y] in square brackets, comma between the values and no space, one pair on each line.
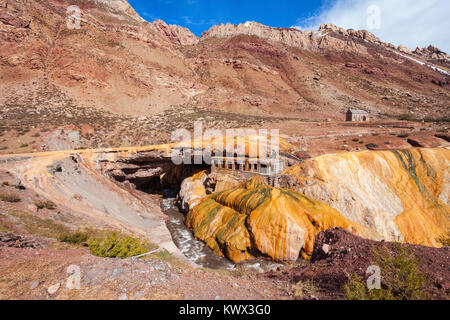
[120,63]
[255,47]
[175,34]
[433,53]
[12,20]
[117,6]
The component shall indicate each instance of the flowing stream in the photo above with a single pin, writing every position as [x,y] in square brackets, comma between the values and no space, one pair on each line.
[197,251]
[183,238]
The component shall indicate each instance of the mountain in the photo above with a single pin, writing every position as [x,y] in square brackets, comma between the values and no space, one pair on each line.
[120,81]
[115,79]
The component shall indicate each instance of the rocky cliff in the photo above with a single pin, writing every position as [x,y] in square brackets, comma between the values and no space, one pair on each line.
[175,34]
[165,71]
[433,53]
[328,36]
[309,40]
[255,219]
[117,6]
[401,195]
[398,196]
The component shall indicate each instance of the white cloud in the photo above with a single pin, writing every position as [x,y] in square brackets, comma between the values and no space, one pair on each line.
[190,21]
[409,22]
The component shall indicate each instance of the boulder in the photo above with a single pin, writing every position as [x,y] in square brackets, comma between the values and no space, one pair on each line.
[404,49]
[174,33]
[192,191]
[54,288]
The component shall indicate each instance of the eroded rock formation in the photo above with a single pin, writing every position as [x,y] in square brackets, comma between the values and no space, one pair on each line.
[309,40]
[328,36]
[192,191]
[398,196]
[118,6]
[433,53]
[256,219]
[401,195]
[174,33]
[79,182]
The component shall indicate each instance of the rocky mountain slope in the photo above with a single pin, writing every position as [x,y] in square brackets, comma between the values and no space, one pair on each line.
[120,81]
[339,256]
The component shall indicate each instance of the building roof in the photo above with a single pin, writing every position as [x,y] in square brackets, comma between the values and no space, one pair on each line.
[358,111]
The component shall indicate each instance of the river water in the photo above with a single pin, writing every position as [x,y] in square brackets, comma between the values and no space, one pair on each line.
[183,238]
[197,251]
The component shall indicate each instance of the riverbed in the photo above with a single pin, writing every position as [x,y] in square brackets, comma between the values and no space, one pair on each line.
[194,250]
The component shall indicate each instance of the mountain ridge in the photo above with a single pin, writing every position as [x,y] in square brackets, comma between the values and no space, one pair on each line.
[118,63]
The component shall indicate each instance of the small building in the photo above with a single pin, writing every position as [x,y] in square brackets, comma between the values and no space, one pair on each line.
[357,115]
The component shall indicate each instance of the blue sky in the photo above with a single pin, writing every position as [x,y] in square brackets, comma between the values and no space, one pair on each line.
[200,15]
[408,22]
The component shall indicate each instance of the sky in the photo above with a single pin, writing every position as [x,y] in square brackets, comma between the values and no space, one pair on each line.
[414,23]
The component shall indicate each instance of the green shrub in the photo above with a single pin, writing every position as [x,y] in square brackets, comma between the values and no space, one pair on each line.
[50,205]
[355,289]
[10,197]
[74,238]
[162,255]
[403,135]
[429,119]
[5,183]
[406,116]
[303,290]
[401,278]
[38,226]
[117,245]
